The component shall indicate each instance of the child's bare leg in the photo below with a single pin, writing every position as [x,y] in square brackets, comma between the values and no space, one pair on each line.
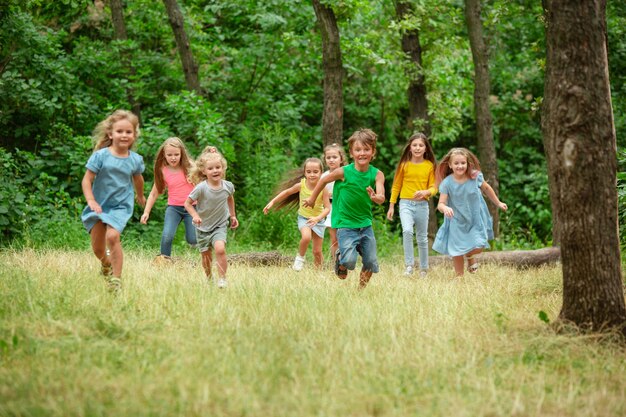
[364,278]
[304,241]
[318,256]
[206,262]
[220,257]
[115,247]
[459,263]
[334,244]
[98,243]
[472,263]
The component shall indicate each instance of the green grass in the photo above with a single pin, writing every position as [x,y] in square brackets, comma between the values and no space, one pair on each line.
[280,343]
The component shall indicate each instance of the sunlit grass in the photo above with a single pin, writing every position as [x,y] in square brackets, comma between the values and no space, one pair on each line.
[281,343]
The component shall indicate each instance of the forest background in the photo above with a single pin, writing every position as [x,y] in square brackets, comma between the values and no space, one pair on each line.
[260,101]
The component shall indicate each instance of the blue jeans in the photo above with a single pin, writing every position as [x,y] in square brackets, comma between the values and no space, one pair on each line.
[353,242]
[173,216]
[414,217]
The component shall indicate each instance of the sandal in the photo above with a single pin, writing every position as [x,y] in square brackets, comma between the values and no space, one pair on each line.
[114,285]
[106,270]
[340,270]
[472,268]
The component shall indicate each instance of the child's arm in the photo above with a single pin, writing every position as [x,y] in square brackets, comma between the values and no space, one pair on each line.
[192,211]
[234,223]
[154,194]
[138,181]
[283,194]
[443,208]
[326,200]
[86,184]
[336,175]
[378,196]
[486,188]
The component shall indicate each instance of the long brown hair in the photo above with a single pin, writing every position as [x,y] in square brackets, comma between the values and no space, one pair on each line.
[406,152]
[160,161]
[443,169]
[103,129]
[295,176]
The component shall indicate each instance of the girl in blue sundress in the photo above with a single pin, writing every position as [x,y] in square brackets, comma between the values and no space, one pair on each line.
[113,170]
[467,225]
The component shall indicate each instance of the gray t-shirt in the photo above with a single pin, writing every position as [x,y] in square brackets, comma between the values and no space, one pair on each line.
[212,205]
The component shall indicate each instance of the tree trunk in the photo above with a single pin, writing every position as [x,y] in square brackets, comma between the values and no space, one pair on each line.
[416,94]
[119,28]
[580,143]
[190,68]
[332,119]
[484,121]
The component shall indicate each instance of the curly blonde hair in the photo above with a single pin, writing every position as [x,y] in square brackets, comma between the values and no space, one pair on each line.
[196,175]
[443,169]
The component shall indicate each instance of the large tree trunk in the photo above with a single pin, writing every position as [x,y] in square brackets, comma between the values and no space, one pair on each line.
[484,121]
[190,68]
[580,142]
[332,119]
[416,93]
[119,28]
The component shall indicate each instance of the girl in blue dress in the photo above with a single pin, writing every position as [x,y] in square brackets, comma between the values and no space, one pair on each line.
[113,170]
[467,225]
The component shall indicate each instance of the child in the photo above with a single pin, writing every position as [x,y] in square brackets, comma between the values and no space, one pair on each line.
[334,157]
[353,195]
[414,182]
[171,169]
[112,171]
[310,219]
[215,204]
[467,225]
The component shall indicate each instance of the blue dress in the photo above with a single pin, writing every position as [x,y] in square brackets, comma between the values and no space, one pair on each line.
[112,188]
[471,226]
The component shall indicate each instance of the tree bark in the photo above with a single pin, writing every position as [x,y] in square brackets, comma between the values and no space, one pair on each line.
[580,144]
[332,119]
[119,28]
[190,68]
[484,121]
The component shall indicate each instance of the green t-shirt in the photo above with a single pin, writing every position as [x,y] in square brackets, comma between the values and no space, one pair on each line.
[352,206]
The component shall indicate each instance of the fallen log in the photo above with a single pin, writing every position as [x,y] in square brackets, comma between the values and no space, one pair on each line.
[515,258]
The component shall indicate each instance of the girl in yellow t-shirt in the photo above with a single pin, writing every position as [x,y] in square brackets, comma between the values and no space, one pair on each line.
[414,183]
[310,219]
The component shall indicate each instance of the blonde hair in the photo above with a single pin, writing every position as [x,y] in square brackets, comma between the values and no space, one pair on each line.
[103,129]
[295,176]
[160,161]
[340,151]
[365,137]
[443,169]
[197,175]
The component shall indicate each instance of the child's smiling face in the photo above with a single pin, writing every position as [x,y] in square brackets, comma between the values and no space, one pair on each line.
[362,154]
[458,165]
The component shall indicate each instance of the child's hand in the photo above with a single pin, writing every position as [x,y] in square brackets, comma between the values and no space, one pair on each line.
[503,206]
[421,195]
[312,221]
[308,203]
[197,220]
[390,213]
[93,205]
[267,208]
[144,218]
[141,199]
[234,223]
[448,212]
[371,192]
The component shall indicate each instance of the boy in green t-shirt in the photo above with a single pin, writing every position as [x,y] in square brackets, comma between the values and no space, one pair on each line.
[357,186]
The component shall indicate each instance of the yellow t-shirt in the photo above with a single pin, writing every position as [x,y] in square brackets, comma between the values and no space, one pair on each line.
[411,178]
[305,193]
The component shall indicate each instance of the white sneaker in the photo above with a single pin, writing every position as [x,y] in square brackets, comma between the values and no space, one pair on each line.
[221,283]
[423,273]
[408,271]
[298,263]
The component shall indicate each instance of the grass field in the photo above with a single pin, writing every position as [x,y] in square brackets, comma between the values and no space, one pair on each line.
[280,343]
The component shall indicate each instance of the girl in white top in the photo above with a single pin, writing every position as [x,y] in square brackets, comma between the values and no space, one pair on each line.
[334,157]
[310,219]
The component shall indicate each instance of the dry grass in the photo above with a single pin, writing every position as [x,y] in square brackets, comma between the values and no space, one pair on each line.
[280,343]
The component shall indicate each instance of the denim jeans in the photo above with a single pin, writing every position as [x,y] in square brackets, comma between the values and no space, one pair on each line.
[173,216]
[414,219]
[353,242]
